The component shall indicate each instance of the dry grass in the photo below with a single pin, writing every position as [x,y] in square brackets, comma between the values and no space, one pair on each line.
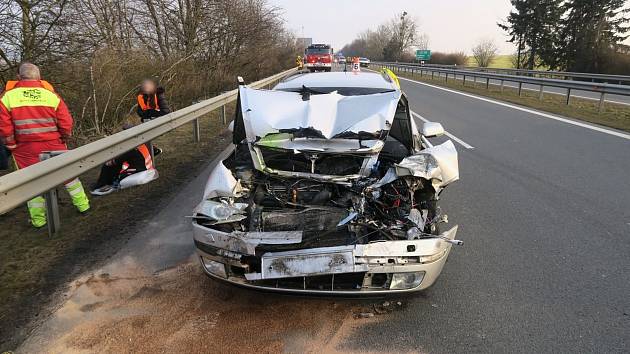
[500,62]
[33,264]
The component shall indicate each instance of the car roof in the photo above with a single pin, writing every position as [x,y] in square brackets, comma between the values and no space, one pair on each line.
[362,79]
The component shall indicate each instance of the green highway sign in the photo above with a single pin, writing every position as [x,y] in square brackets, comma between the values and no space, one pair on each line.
[423,54]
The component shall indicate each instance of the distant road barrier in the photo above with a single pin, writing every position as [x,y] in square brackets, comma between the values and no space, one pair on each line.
[601,88]
[22,185]
[563,75]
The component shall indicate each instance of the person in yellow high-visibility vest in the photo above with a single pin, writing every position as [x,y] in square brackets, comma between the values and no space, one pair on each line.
[299,63]
[34,119]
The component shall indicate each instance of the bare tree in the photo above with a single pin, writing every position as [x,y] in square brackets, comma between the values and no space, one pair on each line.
[484,52]
[393,40]
[95,52]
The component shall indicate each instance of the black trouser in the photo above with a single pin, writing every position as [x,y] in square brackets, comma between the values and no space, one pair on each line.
[108,175]
[4,158]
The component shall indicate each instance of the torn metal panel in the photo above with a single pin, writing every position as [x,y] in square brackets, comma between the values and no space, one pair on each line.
[423,247]
[221,183]
[245,243]
[435,163]
[269,112]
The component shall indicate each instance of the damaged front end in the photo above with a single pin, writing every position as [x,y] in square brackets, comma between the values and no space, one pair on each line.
[326,194]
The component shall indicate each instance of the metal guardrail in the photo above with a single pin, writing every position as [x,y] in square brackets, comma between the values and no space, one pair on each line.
[565,75]
[22,185]
[569,85]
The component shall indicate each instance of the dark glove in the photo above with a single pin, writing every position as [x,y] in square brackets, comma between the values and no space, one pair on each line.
[4,157]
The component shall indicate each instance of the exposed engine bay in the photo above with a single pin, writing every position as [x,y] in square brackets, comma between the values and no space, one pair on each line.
[328,214]
[354,197]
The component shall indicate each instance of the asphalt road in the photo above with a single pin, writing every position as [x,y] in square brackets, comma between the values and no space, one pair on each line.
[543,206]
[617,99]
[544,209]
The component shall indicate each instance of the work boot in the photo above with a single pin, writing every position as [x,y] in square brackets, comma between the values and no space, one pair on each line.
[104,190]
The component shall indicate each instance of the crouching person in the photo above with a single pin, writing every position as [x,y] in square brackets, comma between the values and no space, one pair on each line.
[130,169]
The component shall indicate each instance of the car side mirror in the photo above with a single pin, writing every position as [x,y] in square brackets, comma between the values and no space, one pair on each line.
[432,129]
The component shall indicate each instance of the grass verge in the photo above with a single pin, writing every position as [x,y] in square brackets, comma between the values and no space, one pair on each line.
[33,266]
[613,115]
[499,62]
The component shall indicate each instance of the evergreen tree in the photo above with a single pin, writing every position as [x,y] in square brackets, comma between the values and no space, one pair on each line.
[592,32]
[533,26]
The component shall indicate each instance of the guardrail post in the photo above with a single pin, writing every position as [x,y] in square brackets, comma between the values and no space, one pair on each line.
[601,103]
[520,89]
[223,115]
[432,75]
[464,81]
[487,84]
[196,131]
[52,212]
[540,93]
[501,86]
[568,96]
[446,80]
[51,198]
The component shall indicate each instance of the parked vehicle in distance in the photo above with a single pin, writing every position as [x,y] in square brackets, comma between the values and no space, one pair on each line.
[331,189]
[318,57]
[364,62]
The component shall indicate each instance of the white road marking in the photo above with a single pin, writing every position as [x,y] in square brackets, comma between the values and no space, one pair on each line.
[460,141]
[554,93]
[531,111]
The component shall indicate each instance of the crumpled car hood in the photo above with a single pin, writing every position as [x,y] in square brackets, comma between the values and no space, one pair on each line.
[267,112]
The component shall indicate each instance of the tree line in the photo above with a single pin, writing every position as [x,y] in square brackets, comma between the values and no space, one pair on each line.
[393,40]
[96,52]
[570,35]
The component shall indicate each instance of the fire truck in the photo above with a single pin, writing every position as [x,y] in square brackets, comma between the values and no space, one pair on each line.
[318,57]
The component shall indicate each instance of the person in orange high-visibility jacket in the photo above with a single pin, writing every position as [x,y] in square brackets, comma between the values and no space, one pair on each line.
[34,119]
[114,171]
[151,101]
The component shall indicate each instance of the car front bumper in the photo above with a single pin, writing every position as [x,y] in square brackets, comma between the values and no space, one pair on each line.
[378,268]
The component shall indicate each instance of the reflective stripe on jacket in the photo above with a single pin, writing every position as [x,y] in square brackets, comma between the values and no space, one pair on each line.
[32,111]
[146,104]
[144,150]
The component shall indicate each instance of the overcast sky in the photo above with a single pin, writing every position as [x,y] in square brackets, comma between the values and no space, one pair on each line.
[452,25]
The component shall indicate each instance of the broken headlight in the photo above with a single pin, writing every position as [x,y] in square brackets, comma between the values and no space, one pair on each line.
[404,281]
[214,267]
[417,165]
[221,211]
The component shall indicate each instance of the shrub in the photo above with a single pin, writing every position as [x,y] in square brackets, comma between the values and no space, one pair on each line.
[456,58]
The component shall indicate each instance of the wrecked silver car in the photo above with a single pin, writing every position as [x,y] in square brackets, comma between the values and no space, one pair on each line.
[330,188]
